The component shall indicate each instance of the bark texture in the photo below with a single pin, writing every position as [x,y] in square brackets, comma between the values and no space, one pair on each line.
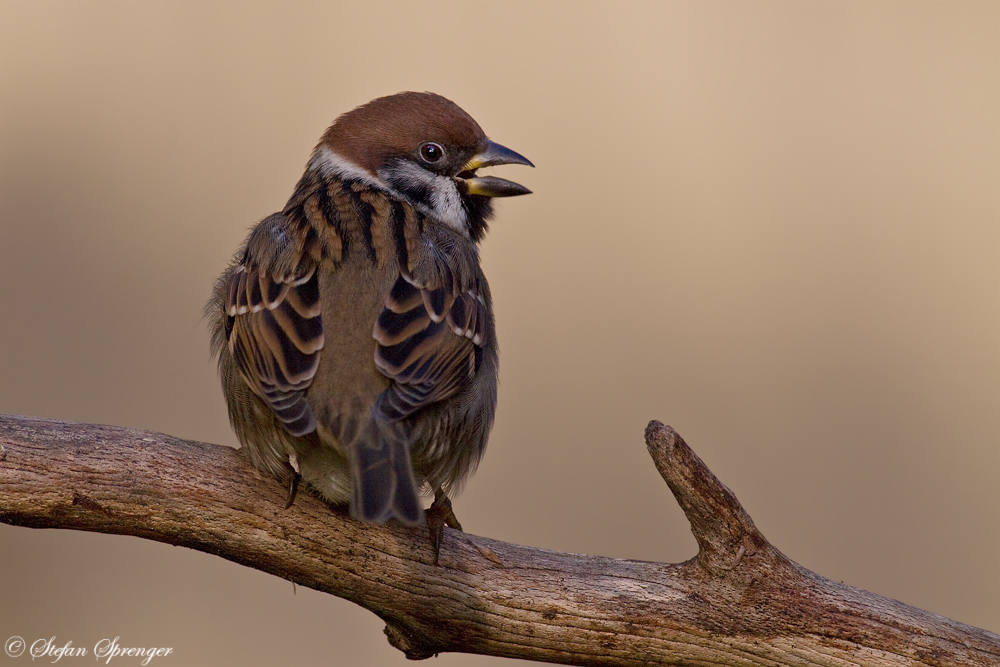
[740,601]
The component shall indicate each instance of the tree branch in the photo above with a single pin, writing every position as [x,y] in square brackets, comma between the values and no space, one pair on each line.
[739,602]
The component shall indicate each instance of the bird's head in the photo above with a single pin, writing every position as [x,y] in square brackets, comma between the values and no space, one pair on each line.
[424,149]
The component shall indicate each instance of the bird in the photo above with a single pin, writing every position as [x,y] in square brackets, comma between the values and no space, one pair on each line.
[354,329]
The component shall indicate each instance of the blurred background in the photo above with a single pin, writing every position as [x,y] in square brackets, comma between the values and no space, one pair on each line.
[774,226]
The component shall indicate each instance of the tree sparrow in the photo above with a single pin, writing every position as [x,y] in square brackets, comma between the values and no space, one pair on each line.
[354,329]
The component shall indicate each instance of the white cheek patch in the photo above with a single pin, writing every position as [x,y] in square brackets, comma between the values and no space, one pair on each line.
[445,202]
[328,163]
[447,205]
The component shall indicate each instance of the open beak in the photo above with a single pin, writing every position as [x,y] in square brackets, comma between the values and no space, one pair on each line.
[491,186]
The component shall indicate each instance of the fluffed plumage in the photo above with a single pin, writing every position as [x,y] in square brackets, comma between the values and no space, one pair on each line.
[354,329]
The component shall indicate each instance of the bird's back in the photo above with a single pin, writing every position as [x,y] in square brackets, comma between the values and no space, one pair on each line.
[354,328]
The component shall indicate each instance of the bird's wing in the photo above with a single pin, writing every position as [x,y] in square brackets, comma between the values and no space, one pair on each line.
[431,330]
[274,327]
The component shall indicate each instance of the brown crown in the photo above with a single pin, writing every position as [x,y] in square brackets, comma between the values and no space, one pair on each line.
[398,124]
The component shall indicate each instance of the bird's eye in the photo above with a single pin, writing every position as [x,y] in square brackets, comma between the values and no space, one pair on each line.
[431,152]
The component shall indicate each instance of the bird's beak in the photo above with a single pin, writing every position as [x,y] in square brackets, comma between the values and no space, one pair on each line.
[491,186]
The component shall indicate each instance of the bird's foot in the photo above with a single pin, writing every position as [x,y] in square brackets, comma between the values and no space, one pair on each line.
[439,515]
[293,489]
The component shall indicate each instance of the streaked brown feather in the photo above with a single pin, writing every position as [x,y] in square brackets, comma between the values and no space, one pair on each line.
[277,333]
[381,235]
[430,327]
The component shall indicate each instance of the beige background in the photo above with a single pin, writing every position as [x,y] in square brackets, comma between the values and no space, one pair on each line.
[774,226]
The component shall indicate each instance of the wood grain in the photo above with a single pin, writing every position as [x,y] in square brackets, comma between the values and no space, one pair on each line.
[740,601]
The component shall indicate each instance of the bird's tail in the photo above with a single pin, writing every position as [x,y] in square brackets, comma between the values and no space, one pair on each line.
[382,482]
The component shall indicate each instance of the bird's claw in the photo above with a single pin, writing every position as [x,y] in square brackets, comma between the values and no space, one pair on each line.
[293,489]
[439,515]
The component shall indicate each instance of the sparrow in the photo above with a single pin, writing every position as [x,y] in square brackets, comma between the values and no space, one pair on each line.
[354,329]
